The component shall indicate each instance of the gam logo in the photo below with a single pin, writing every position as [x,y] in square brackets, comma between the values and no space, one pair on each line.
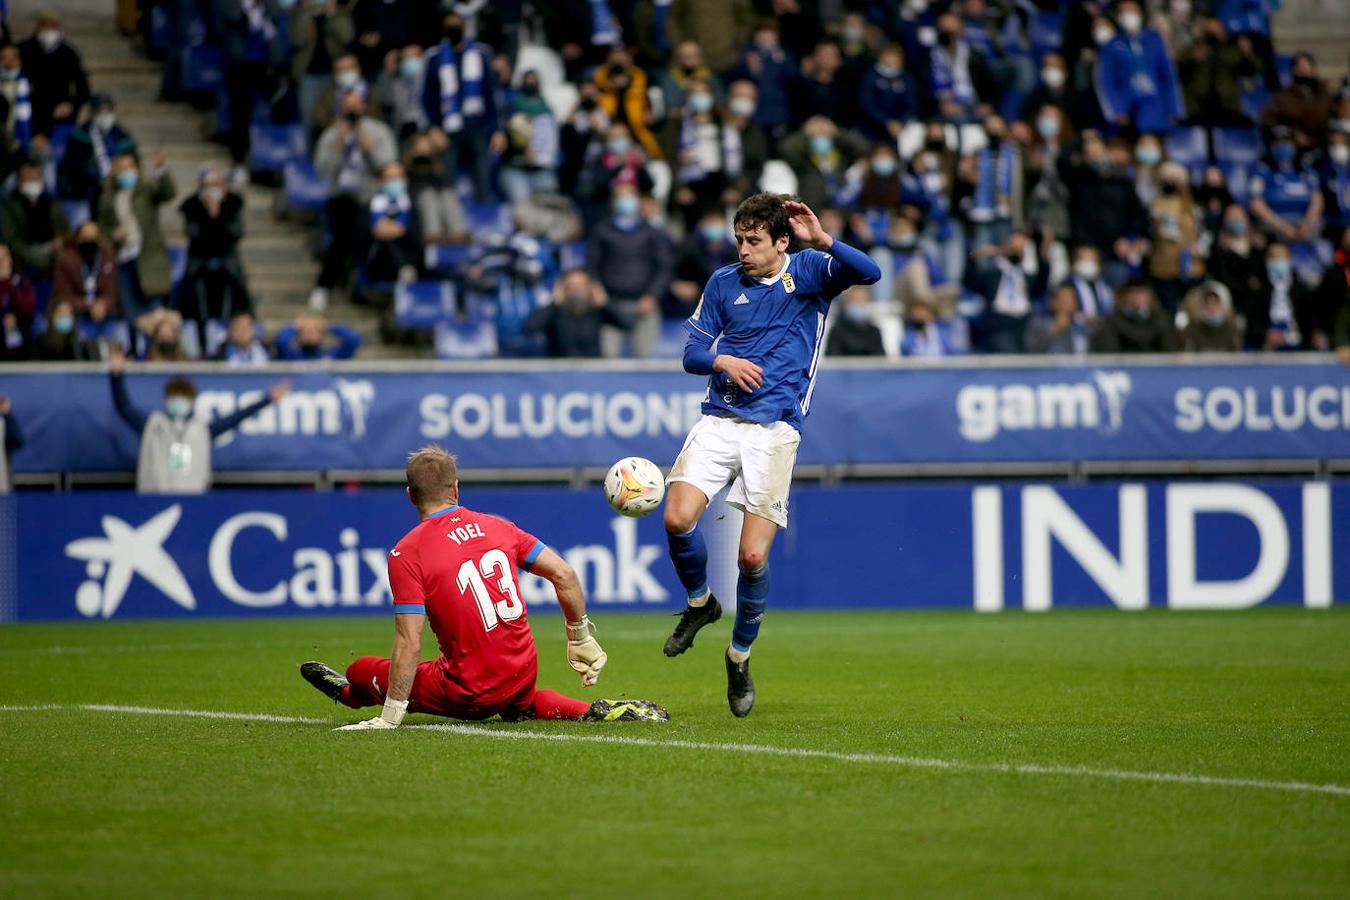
[341,410]
[985,410]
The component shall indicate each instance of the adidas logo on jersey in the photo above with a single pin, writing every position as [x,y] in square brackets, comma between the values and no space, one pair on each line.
[742,299]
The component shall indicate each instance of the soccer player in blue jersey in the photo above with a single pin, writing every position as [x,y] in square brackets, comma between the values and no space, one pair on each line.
[766,315]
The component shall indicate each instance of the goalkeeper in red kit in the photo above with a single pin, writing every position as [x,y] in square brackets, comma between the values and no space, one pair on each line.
[457,568]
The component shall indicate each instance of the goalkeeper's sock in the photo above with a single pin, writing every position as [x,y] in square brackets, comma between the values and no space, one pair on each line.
[689,553]
[552,705]
[752,590]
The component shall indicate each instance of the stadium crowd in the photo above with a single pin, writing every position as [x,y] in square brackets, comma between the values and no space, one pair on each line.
[556,178]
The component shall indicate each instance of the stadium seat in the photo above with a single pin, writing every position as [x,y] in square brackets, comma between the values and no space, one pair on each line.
[77,212]
[472,337]
[303,188]
[1188,146]
[422,304]
[485,217]
[1241,146]
[1254,103]
[274,146]
[447,257]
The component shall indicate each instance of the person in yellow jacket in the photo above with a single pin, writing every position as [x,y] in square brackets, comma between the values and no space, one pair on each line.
[623,96]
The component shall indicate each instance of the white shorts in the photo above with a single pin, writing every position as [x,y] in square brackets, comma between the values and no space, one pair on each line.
[755,459]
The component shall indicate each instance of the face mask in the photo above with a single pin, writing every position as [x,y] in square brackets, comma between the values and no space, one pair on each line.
[1102,36]
[884,166]
[888,71]
[31,189]
[127,180]
[905,243]
[178,407]
[589,103]
[9,74]
[104,121]
[1048,126]
[1100,164]
[213,195]
[1053,78]
[396,188]
[626,205]
[700,103]
[64,324]
[1283,152]
[853,34]
[352,117]
[169,348]
[947,38]
[857,313]
[822,144]
[346,79]
[411,67]
[918,325]
[1307,81]
[1131,21]
[454,34]
[743,107]
[576,302]
[1148,156]
[1087,268]
[1169,187]
[1235,227]
[1135,313]
[617,146]
[530,89]
[1278,268]
[1339,153]
[1213,317]
[712,232]
[49,38]
[88,251]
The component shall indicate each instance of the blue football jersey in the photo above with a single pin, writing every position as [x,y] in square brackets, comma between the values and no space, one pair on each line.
[775,323]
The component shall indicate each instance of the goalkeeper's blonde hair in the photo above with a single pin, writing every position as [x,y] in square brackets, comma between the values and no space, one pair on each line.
[433,473]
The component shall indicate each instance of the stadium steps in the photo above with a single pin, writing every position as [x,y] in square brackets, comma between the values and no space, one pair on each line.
[277,255]
[1320,27]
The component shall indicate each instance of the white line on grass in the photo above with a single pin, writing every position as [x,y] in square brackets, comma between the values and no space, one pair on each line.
[913,762]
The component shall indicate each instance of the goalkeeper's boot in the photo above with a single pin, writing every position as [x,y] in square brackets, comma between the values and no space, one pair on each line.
[692,618]
[626,711]
[740,686]
[324,679]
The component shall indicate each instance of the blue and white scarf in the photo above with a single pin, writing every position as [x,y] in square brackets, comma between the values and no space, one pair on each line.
[992,198]
[22,112]
[461,84]
[951,74]
[1011,297]
[382,206]
[1094,297]
[102,152]
[351,177]
[604,27]
[693,166]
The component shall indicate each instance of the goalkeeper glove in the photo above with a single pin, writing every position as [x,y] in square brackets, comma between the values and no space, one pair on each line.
[389,718]
[583,652]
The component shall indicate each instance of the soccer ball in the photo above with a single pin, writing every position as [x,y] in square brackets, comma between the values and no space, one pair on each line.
[634,486]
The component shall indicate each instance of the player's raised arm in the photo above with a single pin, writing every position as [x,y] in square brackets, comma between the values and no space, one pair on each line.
[854,266]
[584,654]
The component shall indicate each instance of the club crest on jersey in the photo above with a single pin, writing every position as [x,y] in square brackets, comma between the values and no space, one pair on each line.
[788,284]
[741,300]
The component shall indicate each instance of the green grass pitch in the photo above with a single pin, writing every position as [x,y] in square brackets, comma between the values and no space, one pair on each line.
[962,755]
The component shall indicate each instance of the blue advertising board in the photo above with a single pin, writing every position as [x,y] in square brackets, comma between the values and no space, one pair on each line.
[532,417]
[1132,545]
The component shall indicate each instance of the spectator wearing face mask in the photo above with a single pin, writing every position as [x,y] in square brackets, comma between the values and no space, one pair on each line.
[253,34]
[1137,82]
[1047,196]
[56,74]
[16,109]
[1104,208]
[929,188]
[33,224]
[823,89]
[630,260]
[1334,173]
[129,212]
[175,449]
[873,185]
[888,99]
[1286,196]
[214,285]
[242,345]
[1211,326]
[583,133]
[992,190]
[706,153]
[959,75]
[853,333]
[1138,323]
[1093,296]
[320,31]
[90,153]
[687,66]
[1212,197]
[820,154]
[86,275]
[18,305]
[1304,107]
[312,337]
[739,116]
[459,97]
[397,94]
[61,341]
[623,97]
[529,165]
[1287,316]
[1062,330]
[163,336]
[773,70]
[1174,260]
[1011,278]
[705,249]
[328,103]
[1053,89]
[620,162]
[572,324]
[1211,71]
[927,334]
[1236,260]
[440,215]
[395,245]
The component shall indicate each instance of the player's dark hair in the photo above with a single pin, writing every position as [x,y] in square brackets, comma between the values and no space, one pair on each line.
[432,473]
[764,210]
[180,387]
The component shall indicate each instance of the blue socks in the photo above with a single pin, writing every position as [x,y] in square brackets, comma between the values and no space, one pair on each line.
[690,555]
[752,589]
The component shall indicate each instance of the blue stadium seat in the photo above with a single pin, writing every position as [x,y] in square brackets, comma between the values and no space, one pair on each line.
[487,216]
[303,187]
[77,212]
[1254,102]
[422,304]
[203,69]
[274,146]
[472,337]
[1240,146]
[1284,67]
[1239,177]
[448,257]
[670,345]
[1188,146]
[1046,30]
[60,137]
[571,255]
[177,263]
